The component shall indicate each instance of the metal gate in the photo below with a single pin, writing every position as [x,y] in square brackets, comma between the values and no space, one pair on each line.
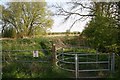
[81,64]
[87,64]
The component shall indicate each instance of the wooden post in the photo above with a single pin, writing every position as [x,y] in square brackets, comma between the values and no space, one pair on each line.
[63,54]
[53,54]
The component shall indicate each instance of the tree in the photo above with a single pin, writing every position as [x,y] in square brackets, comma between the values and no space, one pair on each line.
[27,18]
[100,32]
[102,28]
[9,32]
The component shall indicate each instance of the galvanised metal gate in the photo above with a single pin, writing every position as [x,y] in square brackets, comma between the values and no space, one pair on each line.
[100,64]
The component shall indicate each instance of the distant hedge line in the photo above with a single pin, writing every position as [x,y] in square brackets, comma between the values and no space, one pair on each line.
[63,33]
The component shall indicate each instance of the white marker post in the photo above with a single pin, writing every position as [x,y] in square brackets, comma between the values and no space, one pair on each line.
[35,53]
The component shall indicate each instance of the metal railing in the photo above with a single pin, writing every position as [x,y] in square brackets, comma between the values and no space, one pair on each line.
[100,62]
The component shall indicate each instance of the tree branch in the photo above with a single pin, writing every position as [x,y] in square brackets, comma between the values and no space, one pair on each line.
[75,22]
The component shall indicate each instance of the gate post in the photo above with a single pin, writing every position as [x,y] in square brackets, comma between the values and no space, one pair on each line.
[113,62]
[53,54]
[62,54]
[76,66]
[109,63]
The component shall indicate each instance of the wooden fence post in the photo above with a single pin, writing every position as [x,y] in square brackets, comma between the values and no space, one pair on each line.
[53,54]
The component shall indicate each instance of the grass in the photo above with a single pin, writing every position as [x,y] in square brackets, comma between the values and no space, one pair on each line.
[32,70]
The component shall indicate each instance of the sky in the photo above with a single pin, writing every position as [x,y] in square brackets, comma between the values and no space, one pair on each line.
[58,26]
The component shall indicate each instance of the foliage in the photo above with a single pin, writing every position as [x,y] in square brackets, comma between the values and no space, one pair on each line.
[28,19]
[9,32]
[100,32]
[117,67]
[78,49]
[22,44]
[71,40]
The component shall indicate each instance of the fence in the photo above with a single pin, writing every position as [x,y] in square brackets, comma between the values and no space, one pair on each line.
[32,55]
[26,63]
[87,63]
[24,56]
[79,63]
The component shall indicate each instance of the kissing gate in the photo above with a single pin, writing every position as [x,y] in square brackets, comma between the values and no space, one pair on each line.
[90,65]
